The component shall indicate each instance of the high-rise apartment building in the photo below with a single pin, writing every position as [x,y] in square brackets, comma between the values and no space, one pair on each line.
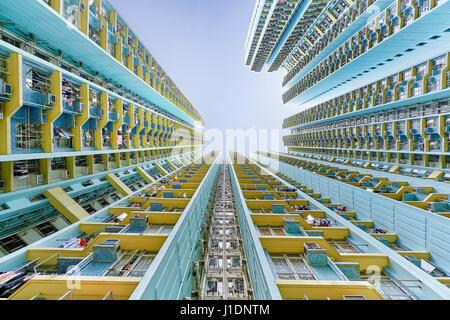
[90,124]
[368,82]
[106,193]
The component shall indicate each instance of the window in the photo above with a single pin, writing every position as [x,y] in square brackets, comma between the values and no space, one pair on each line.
[291,267]
[438,63]
[214,287]
[215,262]
[233,244]
[131,264]
[46,228]
[12,243]
[215,244]
[272,231]
[265,231]
[417,91]
[234,262]
[105,13]
[421,70]
[387,287]
[278,231]
[236,287]
[343,247]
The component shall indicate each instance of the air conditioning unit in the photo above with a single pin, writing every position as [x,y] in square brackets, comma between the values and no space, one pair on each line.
[82,7]
[81,107]
[6,89]
[103,26]
[67,174]
[88,170]
[51,98]
[40,178]
[44,118]
[1,115]
[2,184]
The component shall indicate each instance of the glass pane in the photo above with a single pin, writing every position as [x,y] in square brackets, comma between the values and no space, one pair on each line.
[281,265]
[393,290]
[286,276]
[141,267]
[348,247]
[153,229]
[213,263]
[120,267]
[278,231]
[212,286]
[166,230]
[299,265]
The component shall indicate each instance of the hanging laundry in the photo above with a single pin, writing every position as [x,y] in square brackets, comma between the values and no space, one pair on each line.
[81,242]
[7,289]
[71,243]
[379,230]
[5,277]
[310,219]
[58,132]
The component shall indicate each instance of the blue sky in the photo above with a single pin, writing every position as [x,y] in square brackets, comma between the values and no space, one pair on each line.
[201,45]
